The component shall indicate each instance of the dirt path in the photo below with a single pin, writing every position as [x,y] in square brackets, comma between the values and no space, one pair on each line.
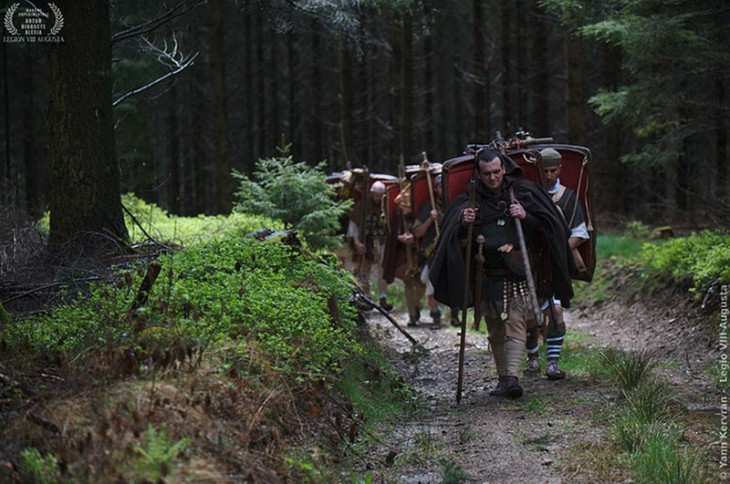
[489,439]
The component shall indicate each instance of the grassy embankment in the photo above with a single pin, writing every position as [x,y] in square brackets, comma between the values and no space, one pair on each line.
[647,425]
[239,360]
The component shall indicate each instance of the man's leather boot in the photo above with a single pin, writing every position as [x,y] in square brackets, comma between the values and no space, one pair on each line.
[499,390]
[413,320]
[533,363]
[455,318]
[553,371]
[436,317]
[514,355]
[512,387]
[508,386]
[385,304]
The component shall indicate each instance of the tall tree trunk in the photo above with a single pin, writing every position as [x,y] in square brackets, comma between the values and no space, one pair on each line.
[612,174]
[292,121]
[406,88]
[248,93]
[574,97]
[481,109]
[273,83]
[429,98]
[507,33]
[85,189]
[33,175]
[173,135]
[522,65]
[316,99]
[540,117]
[222,184]
[721,132]
[364,80]
[199,163]
[5,165]
[346,102]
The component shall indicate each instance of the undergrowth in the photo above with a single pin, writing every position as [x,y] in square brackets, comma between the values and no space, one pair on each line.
[697,263]
[237,344]
[292,307]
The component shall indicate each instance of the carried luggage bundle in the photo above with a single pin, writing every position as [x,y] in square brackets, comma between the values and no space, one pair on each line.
[352,183]
[575,174]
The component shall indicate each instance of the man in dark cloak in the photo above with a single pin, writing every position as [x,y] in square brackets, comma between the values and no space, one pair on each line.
[504,299]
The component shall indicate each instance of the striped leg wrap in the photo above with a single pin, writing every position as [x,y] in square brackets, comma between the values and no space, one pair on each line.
[554,346]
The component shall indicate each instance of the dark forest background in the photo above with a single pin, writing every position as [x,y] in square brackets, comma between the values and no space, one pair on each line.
[643,84]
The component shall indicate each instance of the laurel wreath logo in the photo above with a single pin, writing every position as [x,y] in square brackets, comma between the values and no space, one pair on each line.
[8,21]
[58,24]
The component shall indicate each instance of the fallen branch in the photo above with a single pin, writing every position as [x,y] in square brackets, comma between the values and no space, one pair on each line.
[44,423]
[362,297]
[153,270]
[49,286]
[9,382]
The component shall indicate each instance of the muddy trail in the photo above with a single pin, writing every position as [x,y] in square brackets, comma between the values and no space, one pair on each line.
[546,435]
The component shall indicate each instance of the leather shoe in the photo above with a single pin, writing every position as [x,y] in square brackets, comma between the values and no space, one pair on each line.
[508,386]
[553,371]
[385,304]
[499,390]
[533,364]
[513,388]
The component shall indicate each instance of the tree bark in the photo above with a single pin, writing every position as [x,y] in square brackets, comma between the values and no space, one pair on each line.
[346,102]
[173,134]
[5,165]
[540,117]
[506,38]
[406,88]
[721,135]
[85,188]
[481,108]
[32,171]
[248,92]
[612,169]
[222,182]
[574,96]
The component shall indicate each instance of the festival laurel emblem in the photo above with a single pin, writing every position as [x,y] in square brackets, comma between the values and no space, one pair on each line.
[31,24]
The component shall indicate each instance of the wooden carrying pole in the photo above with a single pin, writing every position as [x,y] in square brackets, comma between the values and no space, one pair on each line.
[465,299]
[364,209]
[526,262]
[427,168]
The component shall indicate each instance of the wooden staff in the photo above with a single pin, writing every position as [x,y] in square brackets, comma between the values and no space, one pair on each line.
[526,262]
[465,299]
[411,269]
[364,209]
[427,166]
[478,274]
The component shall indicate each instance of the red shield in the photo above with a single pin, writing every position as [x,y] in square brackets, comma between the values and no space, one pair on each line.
[575,173]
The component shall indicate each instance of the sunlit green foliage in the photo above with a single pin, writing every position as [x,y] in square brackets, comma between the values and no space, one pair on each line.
[695,262]
[145,219]
[290,307]
[698,260]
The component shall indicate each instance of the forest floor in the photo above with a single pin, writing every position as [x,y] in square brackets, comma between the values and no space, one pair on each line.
[558,429]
